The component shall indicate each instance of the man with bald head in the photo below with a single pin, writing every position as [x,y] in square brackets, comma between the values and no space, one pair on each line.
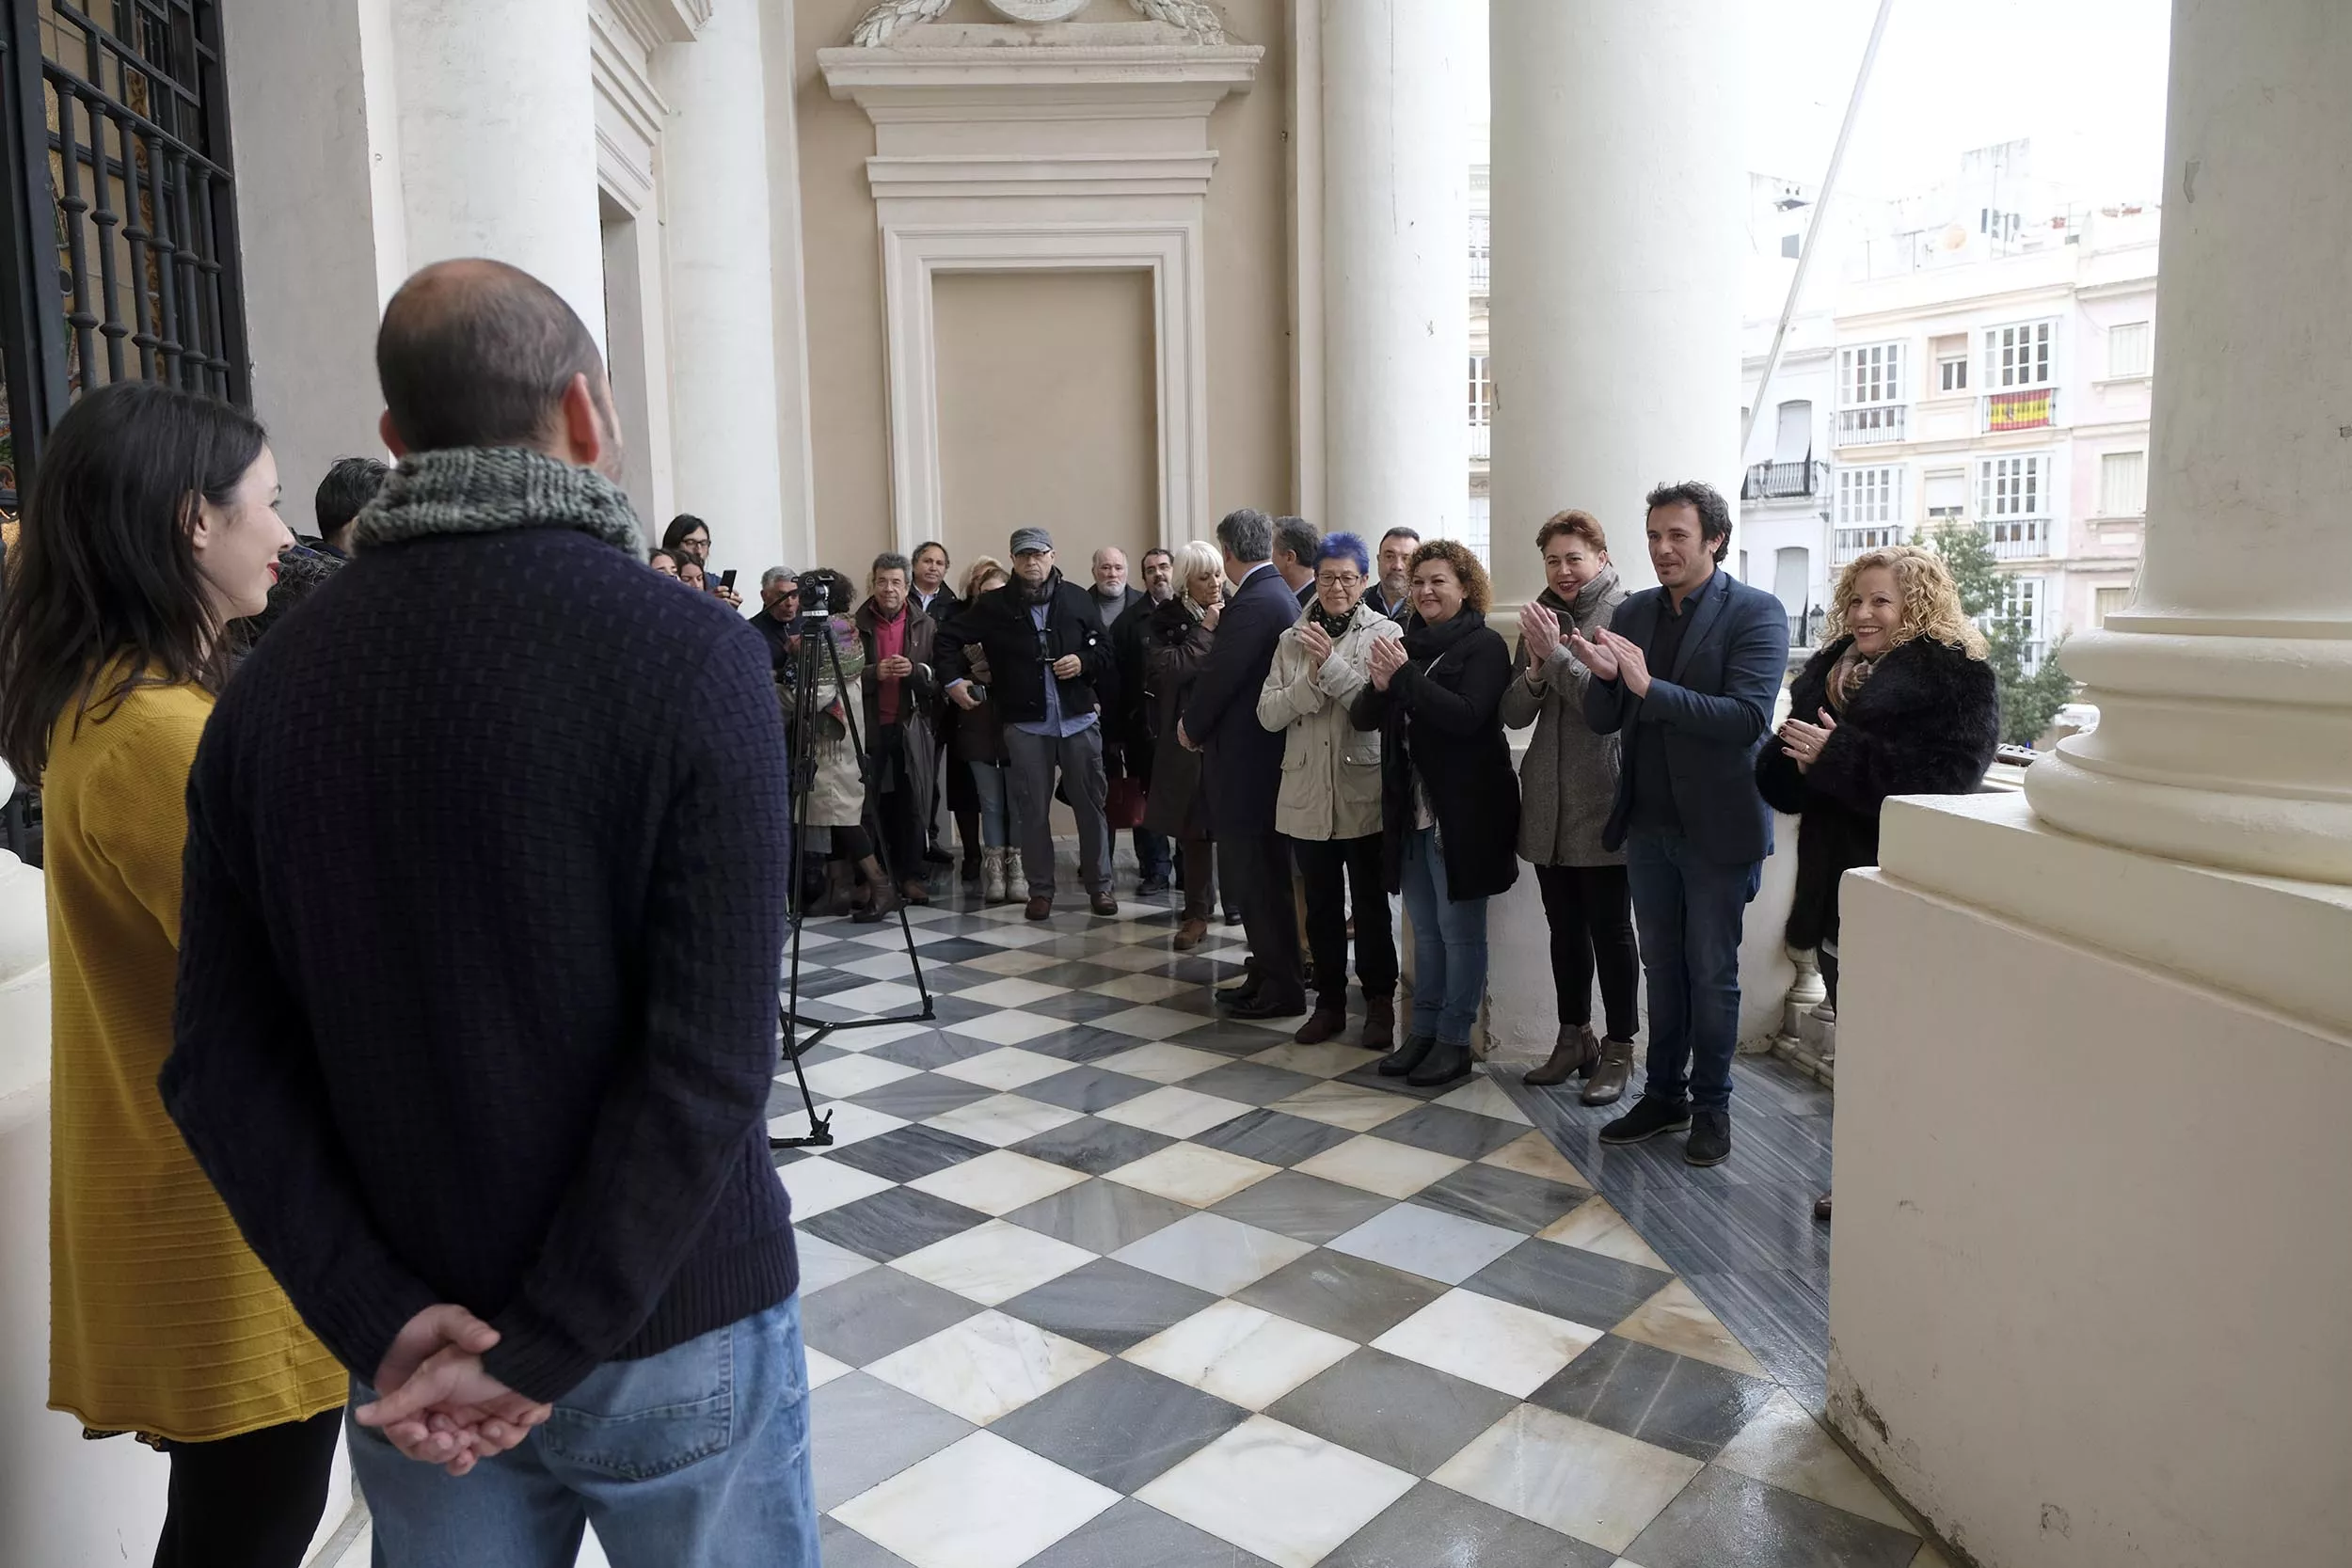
[527,805]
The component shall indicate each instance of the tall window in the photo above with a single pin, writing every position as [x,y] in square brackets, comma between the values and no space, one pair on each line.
[1869,497]
[1946,496]
[2129,349]
[2123,484]
[1482,392]
[2109,601]
[1871,403]
[2019,356]
[2014,504]
[1481,250]
[2020,611]
[1951,374]
[1477,528]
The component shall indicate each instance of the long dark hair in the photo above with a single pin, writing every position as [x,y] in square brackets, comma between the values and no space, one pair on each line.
[103,580]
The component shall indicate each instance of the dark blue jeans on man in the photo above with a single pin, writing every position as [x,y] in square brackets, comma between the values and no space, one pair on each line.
[1688,910]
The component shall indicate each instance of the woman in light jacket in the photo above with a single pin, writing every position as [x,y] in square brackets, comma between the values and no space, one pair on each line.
[1566,786]
[1329,806]
[1176,644]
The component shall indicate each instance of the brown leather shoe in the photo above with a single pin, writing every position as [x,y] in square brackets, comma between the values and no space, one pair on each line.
[1191,934]
[1820,1208]
[1103,903]
[1380,1022]
[1607,1081]
[1576,1054]
[1321,1025]
[917,890]
[1040,906]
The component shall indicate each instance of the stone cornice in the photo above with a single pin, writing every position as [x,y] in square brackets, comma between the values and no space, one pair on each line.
[653,23]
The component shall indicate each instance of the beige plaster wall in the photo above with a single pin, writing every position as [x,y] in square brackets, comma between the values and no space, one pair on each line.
[1249,455]
[1048,412]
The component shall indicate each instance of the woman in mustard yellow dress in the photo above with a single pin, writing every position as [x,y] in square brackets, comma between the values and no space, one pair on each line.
[150,526]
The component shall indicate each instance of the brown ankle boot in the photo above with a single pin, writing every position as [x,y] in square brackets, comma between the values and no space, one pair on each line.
[840,895]
[1328,1019]
[1576,1054]
[1380,1022]
[1609,1079]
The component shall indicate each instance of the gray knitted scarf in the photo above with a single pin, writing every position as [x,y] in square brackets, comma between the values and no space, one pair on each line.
[495,490]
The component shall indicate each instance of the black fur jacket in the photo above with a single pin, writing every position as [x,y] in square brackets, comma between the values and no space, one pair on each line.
[1926,722]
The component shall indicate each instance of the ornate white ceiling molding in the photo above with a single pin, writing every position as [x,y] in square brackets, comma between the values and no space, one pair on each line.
[653,23]
[1060,148]
[1193,21]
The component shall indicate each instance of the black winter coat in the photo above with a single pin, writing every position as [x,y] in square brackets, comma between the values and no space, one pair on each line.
[999,622]
[1442,714]
[1926,722]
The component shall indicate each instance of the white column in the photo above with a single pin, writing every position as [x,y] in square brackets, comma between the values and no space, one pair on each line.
[1396,268]
[1619,190]
[497,140]
[721,290]
[2225,692]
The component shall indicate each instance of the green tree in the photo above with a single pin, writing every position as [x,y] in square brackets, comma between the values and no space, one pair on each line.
[2030,700]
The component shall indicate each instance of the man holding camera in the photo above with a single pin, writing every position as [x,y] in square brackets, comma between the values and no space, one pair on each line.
[1042,641]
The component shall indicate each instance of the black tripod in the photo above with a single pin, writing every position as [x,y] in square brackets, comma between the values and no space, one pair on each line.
[814,656]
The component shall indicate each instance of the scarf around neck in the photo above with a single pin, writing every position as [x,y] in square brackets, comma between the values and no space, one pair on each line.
[1586,600]
[1334,627]
[463,490]
[1043,594]
[1425,642]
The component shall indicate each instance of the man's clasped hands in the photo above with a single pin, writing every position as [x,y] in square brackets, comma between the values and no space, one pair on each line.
[435,1403]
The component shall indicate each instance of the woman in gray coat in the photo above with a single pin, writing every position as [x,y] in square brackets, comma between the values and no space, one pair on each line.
[1566,786]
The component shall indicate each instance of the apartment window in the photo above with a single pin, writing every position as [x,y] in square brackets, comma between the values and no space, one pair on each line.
[2019,356]
[1946,496]
[2020,607]
[1952,373]
[2108,601]
[2129,349]
[1477,528]
[1482,392]
[2123,484]
[2012,487]
[1870,374]
[1869,497]
[1481,249]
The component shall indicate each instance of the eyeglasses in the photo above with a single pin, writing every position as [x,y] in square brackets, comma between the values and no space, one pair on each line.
[1340,579]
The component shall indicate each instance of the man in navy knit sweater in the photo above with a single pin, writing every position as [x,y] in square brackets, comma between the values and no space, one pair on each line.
[484,885]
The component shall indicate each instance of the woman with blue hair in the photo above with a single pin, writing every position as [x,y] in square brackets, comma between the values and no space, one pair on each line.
[1329,806]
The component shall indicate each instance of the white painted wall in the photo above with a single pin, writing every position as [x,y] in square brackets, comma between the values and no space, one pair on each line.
[2085,1313]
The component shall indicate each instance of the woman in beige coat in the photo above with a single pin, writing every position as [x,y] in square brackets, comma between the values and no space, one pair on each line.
[1329,805]
[1566,787]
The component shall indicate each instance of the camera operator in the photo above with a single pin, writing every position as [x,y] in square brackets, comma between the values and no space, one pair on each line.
[899,691]
[1043,638]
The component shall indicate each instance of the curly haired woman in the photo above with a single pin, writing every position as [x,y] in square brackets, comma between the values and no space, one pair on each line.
[1900,702]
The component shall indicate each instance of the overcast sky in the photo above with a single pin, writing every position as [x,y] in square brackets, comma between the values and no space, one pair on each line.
[2083,78]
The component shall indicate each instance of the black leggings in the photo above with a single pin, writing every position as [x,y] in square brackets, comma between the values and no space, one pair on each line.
[1590,911]
[248,1501]
[1332,867]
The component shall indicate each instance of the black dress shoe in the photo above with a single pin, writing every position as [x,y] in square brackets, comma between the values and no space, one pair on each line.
[1154,883]
[1649,1116]
[1262,1005]
[1447,1061]
[1710,1138]
[1406,1058]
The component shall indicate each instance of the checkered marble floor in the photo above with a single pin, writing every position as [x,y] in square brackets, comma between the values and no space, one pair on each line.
[1093,1275]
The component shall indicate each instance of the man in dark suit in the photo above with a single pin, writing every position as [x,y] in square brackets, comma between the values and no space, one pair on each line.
[1245,762]
[1295,541]
[1689,670]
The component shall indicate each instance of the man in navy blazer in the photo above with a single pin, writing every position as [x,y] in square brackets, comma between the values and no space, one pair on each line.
[1244,772]
[1689,671]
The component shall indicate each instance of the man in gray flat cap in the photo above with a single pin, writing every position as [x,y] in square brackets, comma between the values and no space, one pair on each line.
[1047,654]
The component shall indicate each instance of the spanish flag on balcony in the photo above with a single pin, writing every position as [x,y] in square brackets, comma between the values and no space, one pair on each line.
[2026,410]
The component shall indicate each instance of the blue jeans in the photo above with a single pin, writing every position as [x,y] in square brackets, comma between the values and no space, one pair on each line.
[694,1458]
[1449,944]
[1688,910]
[988,783]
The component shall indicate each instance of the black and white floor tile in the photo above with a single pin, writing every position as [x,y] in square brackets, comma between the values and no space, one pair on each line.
[1094,1277]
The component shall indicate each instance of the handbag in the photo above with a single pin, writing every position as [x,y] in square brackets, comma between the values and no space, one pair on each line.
[1123,803]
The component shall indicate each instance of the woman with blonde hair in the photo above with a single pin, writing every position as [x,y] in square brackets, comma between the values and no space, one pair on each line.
[1900,700]
[1329,805]
[1176,644]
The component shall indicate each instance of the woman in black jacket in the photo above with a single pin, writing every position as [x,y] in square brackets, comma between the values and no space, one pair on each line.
[1900,702]
[1176,643]
[1449,800]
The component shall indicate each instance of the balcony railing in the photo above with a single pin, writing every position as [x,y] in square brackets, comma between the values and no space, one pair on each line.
[1804,626]
[1877,423]
[1785,481]
[2016,538]
[1847,543]
[2028,408]
[1481,442]
[1481,271]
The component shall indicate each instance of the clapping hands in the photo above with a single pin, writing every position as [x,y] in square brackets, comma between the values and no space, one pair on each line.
[1388,656]
[1539,630]
[434,1401]
[1803,741]
[1315,643]
[1612,659]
